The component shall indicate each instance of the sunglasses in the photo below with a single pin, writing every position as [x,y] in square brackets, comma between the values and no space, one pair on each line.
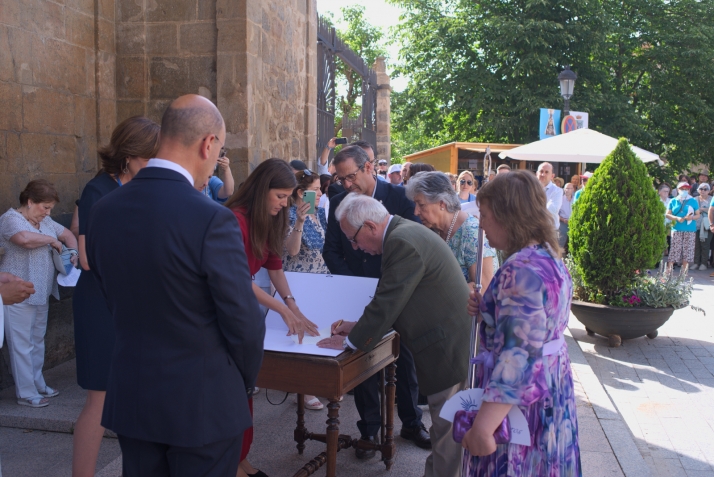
[307,172]
[462,182]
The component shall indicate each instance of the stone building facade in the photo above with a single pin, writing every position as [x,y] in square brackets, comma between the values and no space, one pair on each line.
[70,70]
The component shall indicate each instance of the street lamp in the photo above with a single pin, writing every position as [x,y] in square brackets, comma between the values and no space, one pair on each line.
[567,85]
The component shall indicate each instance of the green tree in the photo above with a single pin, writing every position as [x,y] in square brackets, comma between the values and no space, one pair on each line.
[366,41]
[617,225]
[480,71]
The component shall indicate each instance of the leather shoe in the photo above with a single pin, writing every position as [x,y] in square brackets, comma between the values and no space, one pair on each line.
[365,454]
[418,435]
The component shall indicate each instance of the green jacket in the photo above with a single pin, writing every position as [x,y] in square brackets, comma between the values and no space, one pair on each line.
[422,295]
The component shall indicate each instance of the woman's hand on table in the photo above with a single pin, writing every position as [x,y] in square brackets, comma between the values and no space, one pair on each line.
[298,324]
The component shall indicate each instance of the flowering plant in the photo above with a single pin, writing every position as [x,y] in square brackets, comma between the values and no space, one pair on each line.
[658,290]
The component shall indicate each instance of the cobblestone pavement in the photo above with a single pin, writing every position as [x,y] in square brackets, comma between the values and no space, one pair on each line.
[664,387]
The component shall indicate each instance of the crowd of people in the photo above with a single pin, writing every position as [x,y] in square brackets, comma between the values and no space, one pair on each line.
[168,322]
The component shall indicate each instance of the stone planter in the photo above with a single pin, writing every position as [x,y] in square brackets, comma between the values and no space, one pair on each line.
[618,323]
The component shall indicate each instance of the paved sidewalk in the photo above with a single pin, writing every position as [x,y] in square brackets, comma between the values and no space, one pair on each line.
[664,388]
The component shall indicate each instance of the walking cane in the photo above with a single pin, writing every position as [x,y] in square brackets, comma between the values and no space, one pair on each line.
[475,324]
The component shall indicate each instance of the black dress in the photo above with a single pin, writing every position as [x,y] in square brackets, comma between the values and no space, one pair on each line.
[93,325]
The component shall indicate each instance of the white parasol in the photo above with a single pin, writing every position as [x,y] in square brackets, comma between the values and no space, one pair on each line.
[581,145]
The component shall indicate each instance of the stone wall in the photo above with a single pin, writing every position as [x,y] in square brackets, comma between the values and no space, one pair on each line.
[267,82]
[56,73]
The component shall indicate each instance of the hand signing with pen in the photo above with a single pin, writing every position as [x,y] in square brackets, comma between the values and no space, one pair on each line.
[339,330]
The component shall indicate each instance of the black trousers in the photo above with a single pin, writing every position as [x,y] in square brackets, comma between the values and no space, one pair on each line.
[151,459]
[367,397]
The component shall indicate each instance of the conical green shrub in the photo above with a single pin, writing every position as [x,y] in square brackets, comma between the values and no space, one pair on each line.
[617,225]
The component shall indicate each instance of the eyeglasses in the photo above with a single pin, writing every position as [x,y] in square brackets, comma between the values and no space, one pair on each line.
[353,240]
[350,177]
[462,182]
[222,152]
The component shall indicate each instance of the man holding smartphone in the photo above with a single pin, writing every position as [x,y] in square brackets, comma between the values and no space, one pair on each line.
[322,165]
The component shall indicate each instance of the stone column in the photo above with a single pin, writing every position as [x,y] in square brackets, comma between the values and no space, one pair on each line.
[384,110]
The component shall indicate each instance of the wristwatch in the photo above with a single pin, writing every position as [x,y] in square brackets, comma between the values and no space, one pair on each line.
[345,346]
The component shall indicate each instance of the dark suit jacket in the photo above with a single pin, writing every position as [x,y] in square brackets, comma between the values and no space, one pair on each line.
[189,333]
[334,189]
[338,253]
[422,295]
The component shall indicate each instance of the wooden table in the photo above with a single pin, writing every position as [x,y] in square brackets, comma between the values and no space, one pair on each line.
[331,378]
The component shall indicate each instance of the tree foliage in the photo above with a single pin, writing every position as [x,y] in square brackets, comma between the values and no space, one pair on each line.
[480,71]
[617,225]
[366,40]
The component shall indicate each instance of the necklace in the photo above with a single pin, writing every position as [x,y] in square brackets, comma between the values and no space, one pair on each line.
[27,217]
[451,228]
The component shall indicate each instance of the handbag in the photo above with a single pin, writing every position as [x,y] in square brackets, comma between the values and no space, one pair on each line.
[62,261]
[464,420]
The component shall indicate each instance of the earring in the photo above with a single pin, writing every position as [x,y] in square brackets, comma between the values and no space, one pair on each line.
[125,169]
[442,208]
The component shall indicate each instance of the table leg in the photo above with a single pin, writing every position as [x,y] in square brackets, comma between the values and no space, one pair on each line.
[389,448]
[333,434]
[300,430]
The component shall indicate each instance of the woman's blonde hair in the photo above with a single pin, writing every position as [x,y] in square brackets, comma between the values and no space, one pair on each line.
[461,176]
[517,201]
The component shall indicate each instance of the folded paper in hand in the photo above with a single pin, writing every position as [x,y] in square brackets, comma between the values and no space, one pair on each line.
[471,399]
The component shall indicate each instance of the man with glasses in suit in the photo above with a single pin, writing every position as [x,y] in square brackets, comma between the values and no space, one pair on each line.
[356,174]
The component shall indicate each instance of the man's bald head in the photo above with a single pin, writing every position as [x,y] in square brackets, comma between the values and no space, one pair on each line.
[190,118]
[545,173]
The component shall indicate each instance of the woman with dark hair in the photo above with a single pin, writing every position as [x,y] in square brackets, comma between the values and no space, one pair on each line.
[133,142]
[418,167]
[28,235]
[260,206]
[524,359]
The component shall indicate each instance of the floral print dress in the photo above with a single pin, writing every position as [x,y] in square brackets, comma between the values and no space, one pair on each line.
[464,245]
[526,305]
[309,259]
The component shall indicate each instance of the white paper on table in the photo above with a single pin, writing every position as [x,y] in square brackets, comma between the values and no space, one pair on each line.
[471,399]
[323,299]
[312,340]
[70,279]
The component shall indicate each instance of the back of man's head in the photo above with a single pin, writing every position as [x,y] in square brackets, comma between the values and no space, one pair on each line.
[364,145]
[355,153]
[190,118]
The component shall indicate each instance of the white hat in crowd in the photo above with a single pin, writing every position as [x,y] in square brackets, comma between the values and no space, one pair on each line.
[395,168]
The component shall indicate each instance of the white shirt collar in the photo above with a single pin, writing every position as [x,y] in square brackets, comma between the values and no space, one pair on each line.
[164,164]
[384,235]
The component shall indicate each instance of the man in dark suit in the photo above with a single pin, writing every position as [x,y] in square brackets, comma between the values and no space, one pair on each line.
[189,334]
[356,173]
[422,295]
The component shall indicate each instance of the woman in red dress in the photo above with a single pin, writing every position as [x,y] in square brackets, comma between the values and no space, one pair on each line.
[260,205]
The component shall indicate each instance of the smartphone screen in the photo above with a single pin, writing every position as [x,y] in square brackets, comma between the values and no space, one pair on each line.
[309,197]
[341,140]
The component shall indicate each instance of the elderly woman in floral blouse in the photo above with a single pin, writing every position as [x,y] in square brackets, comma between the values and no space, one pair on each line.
[439,208]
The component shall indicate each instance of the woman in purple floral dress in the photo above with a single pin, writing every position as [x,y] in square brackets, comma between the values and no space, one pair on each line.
[523,359]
